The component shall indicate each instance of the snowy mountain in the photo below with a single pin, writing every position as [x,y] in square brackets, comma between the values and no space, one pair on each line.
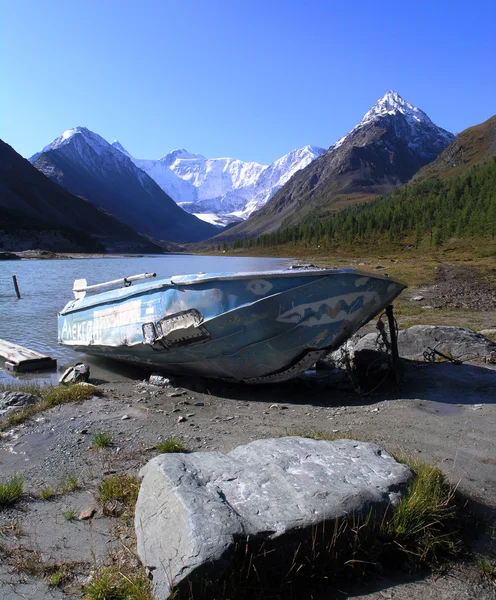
[423,135]
[222,190]
[86,165]
[384,150]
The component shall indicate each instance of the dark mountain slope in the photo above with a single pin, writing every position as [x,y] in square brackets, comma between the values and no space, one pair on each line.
[30,201]
[472,146]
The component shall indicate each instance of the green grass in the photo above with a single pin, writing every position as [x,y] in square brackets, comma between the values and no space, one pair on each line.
[170,445]
[487,569]
[102,439]
[47,493]
[69,515]
[118,494]
[11,490]
[50,396]
[68,483]
[112,583]
[425,524]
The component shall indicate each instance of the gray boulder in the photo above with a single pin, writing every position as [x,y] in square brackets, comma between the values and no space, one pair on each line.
[14,401]
[194,510]
[455,342]
[78,373]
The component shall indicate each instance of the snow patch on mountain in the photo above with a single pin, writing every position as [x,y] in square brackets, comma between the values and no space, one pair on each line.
[223,190]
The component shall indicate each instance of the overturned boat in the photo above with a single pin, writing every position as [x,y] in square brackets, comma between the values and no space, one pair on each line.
[252,327]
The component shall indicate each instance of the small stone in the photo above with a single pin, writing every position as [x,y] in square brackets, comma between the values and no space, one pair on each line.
[417,298]
[181,419]
[87,513]
[199,404]
[125,417]
[159,380]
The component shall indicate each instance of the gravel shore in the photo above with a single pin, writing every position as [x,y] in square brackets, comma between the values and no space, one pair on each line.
[442,413]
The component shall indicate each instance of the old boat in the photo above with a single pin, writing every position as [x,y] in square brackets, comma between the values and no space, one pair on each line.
[251,327]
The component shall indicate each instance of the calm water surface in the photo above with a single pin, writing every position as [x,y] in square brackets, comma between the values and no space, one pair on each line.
[46,286]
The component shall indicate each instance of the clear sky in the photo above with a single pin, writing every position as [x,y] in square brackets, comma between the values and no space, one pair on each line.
[246,79]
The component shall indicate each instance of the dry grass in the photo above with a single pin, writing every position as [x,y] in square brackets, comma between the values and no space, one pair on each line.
[50,396]
[113,583]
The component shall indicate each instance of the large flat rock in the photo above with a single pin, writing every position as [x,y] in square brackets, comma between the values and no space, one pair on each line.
[457,342]
[193,509]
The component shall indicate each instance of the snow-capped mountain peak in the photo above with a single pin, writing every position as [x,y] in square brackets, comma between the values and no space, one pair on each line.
[392,104]
[77,137]
[180,154]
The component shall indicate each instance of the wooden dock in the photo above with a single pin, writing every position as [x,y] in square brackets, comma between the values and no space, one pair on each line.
[20,359]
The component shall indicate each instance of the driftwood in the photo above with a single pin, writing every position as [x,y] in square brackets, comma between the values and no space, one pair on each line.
[18,358]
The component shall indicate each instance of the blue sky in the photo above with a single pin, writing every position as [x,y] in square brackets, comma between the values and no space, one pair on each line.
[250,80]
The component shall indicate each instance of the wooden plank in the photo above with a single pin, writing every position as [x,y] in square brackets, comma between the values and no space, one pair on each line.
[21,359]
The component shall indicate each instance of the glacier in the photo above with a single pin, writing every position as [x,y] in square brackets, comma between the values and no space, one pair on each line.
[222,190]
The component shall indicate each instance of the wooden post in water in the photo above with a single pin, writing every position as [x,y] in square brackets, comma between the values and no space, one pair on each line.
[14,277]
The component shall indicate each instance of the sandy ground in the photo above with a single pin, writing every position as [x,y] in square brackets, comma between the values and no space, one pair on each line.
[442,413]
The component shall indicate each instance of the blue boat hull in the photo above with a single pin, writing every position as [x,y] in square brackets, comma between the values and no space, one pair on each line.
[252,327]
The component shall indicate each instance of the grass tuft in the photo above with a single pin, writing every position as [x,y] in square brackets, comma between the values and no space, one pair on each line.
[68,483]
[111,583]
[47,493]
[102,439]
[170,445]
[11,490]
[69,515]
[118,494]
[425,523]
[487,569]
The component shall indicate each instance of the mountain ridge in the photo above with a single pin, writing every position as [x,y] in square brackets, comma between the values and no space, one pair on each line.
[226,188]
[384,150]
[85,164]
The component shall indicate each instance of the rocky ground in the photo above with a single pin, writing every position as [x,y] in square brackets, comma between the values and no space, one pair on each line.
[442,413]
[461,286]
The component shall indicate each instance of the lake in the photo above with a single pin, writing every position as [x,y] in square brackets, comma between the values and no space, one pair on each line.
[46,286]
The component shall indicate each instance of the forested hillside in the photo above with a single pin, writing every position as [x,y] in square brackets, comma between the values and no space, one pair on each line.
[464,206]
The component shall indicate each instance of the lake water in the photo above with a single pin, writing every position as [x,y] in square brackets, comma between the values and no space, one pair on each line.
[46,286]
